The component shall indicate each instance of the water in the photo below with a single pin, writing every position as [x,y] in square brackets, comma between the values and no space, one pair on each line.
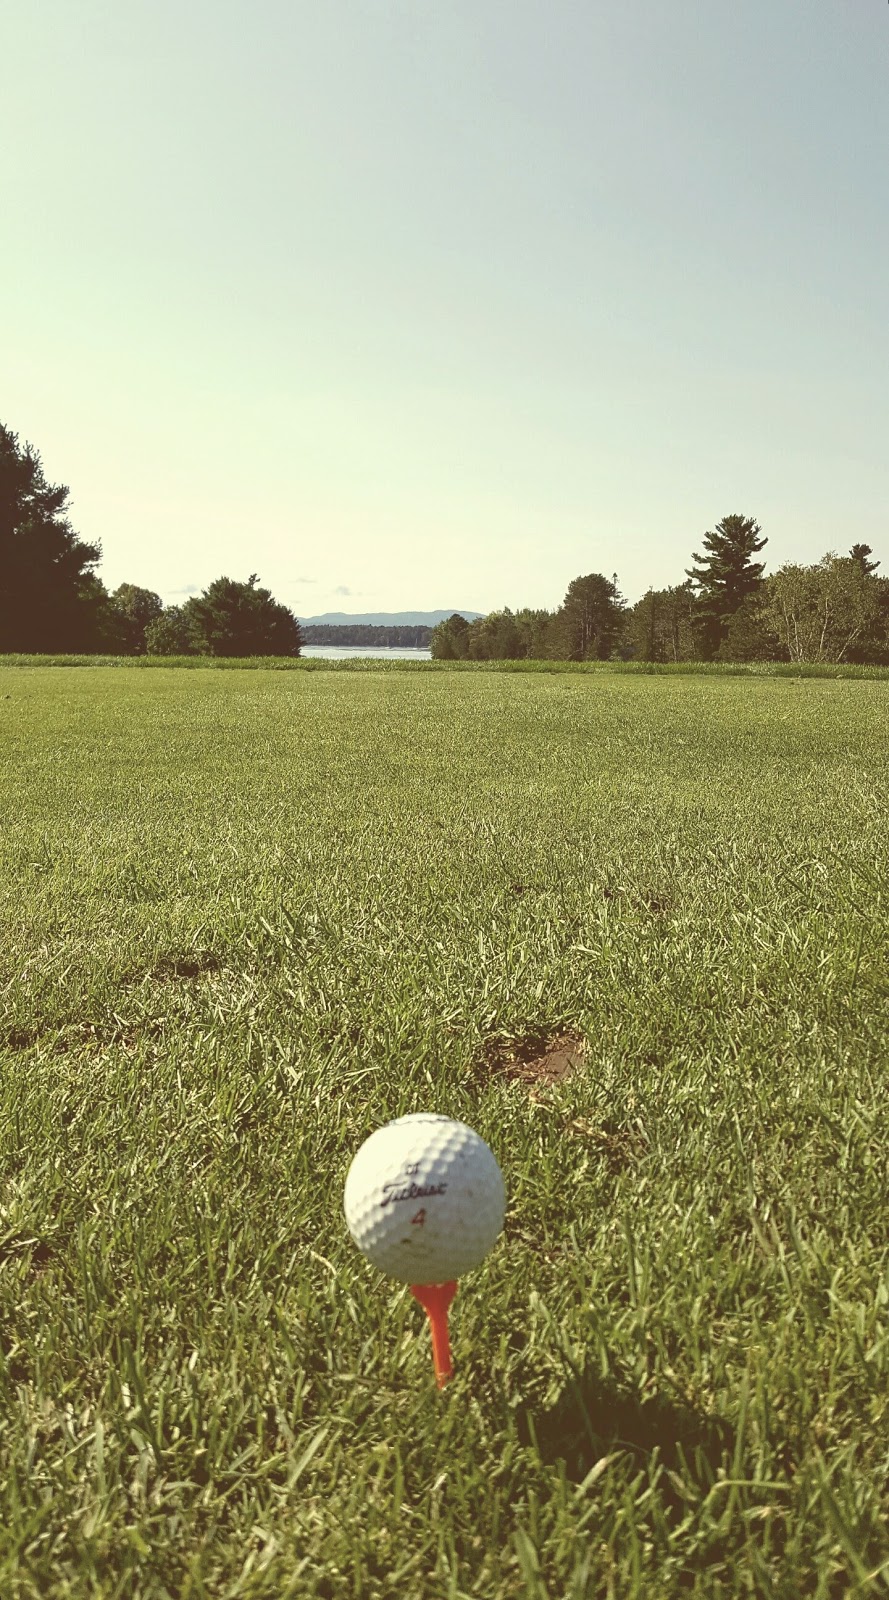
[344,652]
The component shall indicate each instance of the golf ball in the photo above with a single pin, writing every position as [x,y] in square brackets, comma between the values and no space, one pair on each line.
[424,1199]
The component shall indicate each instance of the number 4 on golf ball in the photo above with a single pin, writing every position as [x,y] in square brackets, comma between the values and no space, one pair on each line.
[424,1199]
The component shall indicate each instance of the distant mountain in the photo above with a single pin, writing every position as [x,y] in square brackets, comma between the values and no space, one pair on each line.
[386,619]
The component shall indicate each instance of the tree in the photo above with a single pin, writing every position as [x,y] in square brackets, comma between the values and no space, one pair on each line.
[875,646]
[539,635]
[239,619]
[500,636]
[171,633]
[590,617]
[50,597]
[859,554]
[449,640]
[822,612]
[494,638]
[661,626]
[725,576]
[133,609]
[400,636]
[748,636]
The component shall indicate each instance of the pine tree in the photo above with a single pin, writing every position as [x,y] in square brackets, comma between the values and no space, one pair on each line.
[859,554]
[590,617]
[725,576]
[50,597]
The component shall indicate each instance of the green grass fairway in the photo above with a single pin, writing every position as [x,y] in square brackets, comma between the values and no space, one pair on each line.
[248,916]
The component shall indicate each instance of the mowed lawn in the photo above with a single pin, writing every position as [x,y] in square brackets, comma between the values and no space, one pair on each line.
[248,916]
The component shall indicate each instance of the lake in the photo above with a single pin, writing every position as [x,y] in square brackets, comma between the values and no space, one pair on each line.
[343,652]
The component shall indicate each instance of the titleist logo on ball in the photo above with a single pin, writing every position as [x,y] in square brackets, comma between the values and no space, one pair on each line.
[414,1191]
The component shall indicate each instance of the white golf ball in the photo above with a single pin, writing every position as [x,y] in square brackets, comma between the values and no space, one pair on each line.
[424,1199]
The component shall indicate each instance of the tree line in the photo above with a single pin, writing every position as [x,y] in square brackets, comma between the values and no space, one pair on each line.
[725,609]
[400,635]
[53,602]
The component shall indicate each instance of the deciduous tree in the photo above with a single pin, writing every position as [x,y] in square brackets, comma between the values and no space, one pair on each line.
[661,626]
[822,612]
[171,634]
[133,609]
[240,619]
[449,640]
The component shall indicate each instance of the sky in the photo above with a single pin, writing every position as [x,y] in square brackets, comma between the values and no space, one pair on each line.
[409,304]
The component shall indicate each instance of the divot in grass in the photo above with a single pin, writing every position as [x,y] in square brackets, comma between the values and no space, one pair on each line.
[15,1246]
[539,1060]
[193,965]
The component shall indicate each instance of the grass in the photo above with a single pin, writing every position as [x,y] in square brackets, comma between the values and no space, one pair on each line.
[682,669]
[246,917]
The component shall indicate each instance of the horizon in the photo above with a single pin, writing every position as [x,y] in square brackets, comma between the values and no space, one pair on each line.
[386,618]
[398,304]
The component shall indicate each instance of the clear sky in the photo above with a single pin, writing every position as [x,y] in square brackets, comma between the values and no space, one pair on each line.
[421,303]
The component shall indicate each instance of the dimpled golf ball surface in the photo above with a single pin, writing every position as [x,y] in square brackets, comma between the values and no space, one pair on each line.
[424,1199]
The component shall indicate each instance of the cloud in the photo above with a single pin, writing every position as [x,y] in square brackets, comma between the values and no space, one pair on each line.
[342,590]
[303,580]
[192,588]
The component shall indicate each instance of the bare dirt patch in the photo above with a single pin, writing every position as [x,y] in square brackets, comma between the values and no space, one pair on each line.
[541,1061]
[193,965]
[38,1250]
[21,1038]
